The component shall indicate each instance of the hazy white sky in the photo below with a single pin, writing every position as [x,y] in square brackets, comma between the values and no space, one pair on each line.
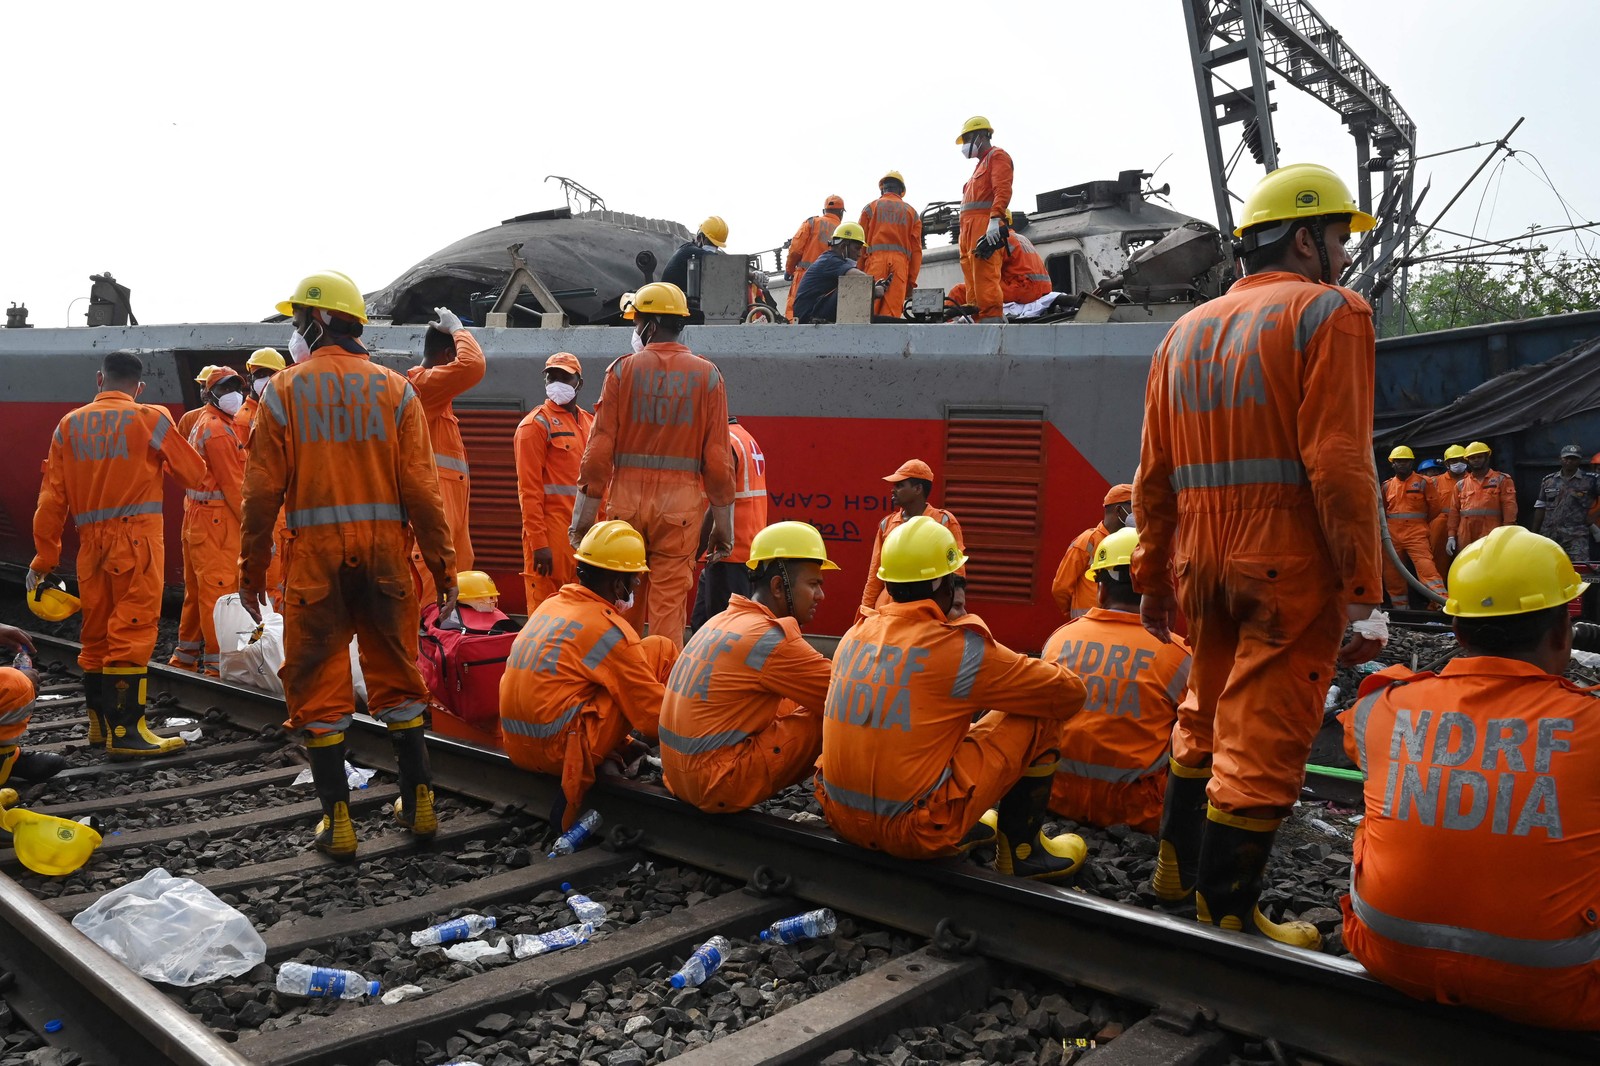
[209,154]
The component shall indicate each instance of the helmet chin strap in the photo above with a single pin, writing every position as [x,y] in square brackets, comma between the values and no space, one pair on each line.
[1318,230]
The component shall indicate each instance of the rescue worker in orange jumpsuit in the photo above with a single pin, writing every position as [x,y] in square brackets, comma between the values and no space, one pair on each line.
[1443,503]
[660,441]
[893,253]
[104,469]
[211,520]
[1485,499]
[808,244]
[913,484]
[191,638]
[984,202]
[1408,507]
[1490,767]
[262,364]
[19,686]
[719,581]
[579,677]
[1114,753]
[1023,276]
[905,769]
[742,717]
[342,446]
[1075,589]
[1256,494]
[548,445]
[452,363]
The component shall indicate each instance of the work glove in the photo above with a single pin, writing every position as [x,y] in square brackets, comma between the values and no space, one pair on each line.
[448,322]
[992,234]
[34,580]
[1450,546]
[583,516]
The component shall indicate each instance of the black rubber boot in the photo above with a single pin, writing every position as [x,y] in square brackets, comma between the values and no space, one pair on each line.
[94,705]
[336,835]
[984,834]
[1022,848]
[1183,820]
[414,809]
[128,735]
[29,766]
[1233,864]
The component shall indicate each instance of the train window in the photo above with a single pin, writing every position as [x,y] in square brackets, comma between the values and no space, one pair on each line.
[1069,272]
[994,465]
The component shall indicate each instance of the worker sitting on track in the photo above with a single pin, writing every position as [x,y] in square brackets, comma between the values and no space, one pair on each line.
[579,677]
[1114,753]
[1075,590]
[19,687]
[1474,873]
[904,768]
[742,717]
[817,295]
[912,485]
[211,521]
[1408,504]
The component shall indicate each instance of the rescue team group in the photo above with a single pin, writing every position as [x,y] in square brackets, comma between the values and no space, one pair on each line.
[1257,513]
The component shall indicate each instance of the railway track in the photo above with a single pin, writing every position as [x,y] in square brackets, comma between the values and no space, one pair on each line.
[932,962]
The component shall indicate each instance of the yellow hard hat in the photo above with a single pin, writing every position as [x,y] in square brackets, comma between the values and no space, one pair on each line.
[205,372]
[44,843]
[849,231]
[972,125]
[1301,190]
[265,359]
[789,540]
[893,174]
[1115,550]
[656,298]
[475,585]
[920,550]
[715,230]
[52,602]
[1455,451]
[613,545]
[626,304]
[1477,447]
[1400,452]
[331,291]
[1510,571]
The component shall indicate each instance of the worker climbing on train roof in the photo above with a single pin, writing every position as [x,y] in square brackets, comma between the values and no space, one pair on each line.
[105,470]
[809,243]
[893,251]
[1444,501]
[1485,500]
[912,485]
[1025,289]
[1075,589]
[730,576]
[985,201]
[211,520]
[342,446]
[660,443]
[709,239]
[817,298]
[1487,766]
[548,446]
[452,363]
[191,639]
[1566,500]
[905,769]
[742,716]
[1115,752]
[580,678]
[1256,495]
[19,688]
[1409,504]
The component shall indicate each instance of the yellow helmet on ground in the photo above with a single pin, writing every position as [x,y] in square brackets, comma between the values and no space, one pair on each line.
[656,298]
[1510,571]
[1301,190]
[265,359]
[919,550]
[52,602]
[715,230]
[205,372]
[613,545]
[849,231]
[1477,447]
[475,585]
[789,540]
[973,125]
[1114,551]
[44,843]
[331,291]
[1455,451]
[1401,452]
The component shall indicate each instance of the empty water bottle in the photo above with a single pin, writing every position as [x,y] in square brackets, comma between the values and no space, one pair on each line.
[462,928]
[298,979]
[526,945]
[585,908]
[568,842]
[1331,703]
[703,963]
[807,926]
[22,660]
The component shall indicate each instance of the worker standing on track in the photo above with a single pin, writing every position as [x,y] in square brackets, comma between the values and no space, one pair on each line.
[913,484]
[1565,501]
[452,363]
[721,580]
[342,446]
[262,365]
[1114,753]
[548,445]
[1509,752]
[211,521]
[809,243]
[984,202]
[660,442]
[905,769]
[1486,499]
[1075,589]
[710,239]
[1408,507]
[1024,279]
[1443,503]
[19,688]
[893,252]
[191,638]
[104,469]
[742,716]
[817,295]
[1256,492]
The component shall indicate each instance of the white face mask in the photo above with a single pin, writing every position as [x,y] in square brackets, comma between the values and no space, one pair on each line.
[637,342]
[485,606]
[260,386]
[970,150]
[299,350]
[231,403]
[1458,469]
[560,392]
[627,604]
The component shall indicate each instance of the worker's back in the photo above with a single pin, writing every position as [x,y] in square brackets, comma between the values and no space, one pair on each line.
[662,409]
[110,458]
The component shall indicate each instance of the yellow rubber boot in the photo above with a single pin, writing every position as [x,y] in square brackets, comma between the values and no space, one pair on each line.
[1183,819]
[128,735]
[986,832]
[1233,863]
[336,834]
[414,809]
[94,706]
[1022,848]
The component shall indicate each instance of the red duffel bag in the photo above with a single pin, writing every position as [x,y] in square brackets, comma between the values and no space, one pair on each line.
[463,659]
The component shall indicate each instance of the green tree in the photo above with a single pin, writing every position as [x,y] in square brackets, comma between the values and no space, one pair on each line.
[1448,291]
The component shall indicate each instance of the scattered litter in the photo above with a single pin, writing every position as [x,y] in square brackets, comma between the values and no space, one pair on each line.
[705,961]
[473,950]
[568,936]
[357,776]
[52,696]
[172,929]
[298,979]
[395,995]
[1324,827]
[179,723]
[646,868]
[1587,659]
[463,928]
[573,838]
[188,735]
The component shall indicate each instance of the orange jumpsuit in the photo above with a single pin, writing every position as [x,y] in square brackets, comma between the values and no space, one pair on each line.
[874,594]
[750,491]
[1113,766]
[1441,502]
[104,469]
[211,524]
[660,440]
[437,387]
[1023,276]
[893,250]
[1484,502]
[1474,873]
[1074,592]
[1255,491]
[742,717]
[342,446]
[904,767]
[16,707]
[1408,506]
[579,678]
[191,638]
[986,195]
[808,242]
[548,445]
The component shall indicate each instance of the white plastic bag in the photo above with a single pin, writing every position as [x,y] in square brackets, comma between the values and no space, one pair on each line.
[172,929]
[241,659]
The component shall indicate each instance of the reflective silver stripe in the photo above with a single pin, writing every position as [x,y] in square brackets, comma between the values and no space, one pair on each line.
[57,439]
[323,728]
[1179,683]
[406,396]
[163,424]
[345,514]
[18,716]
[1077,612]
[401,712]
[807,265]
[884,808]
[658,462]
[274,405]
[561,490]
[602,648]
[540,730]
[757,659]
[450,463]
[752,494]
[1316,313]
[91,517]
[1037,277]
[701,745]
[1363,712]
[1409,514]
[902,249]
[202,497]
[1232,472]
[1581,950]
[1115,775]
[1482,512]
[189,645]
[972,653]
[977,205]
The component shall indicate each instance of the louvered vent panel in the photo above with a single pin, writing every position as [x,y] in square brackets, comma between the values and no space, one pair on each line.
[495,515]
[994,467]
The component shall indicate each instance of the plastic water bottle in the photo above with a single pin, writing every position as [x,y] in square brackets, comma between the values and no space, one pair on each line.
[585,908]
[807,926]
[705,961]
[568,842]
[22,660]
[526,945]
[1331,703]
[298,979]
[462,928]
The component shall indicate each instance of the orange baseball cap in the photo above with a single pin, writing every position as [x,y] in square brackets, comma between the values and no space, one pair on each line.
[219,375]
[1119,494]
[911,468]
[564,361]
